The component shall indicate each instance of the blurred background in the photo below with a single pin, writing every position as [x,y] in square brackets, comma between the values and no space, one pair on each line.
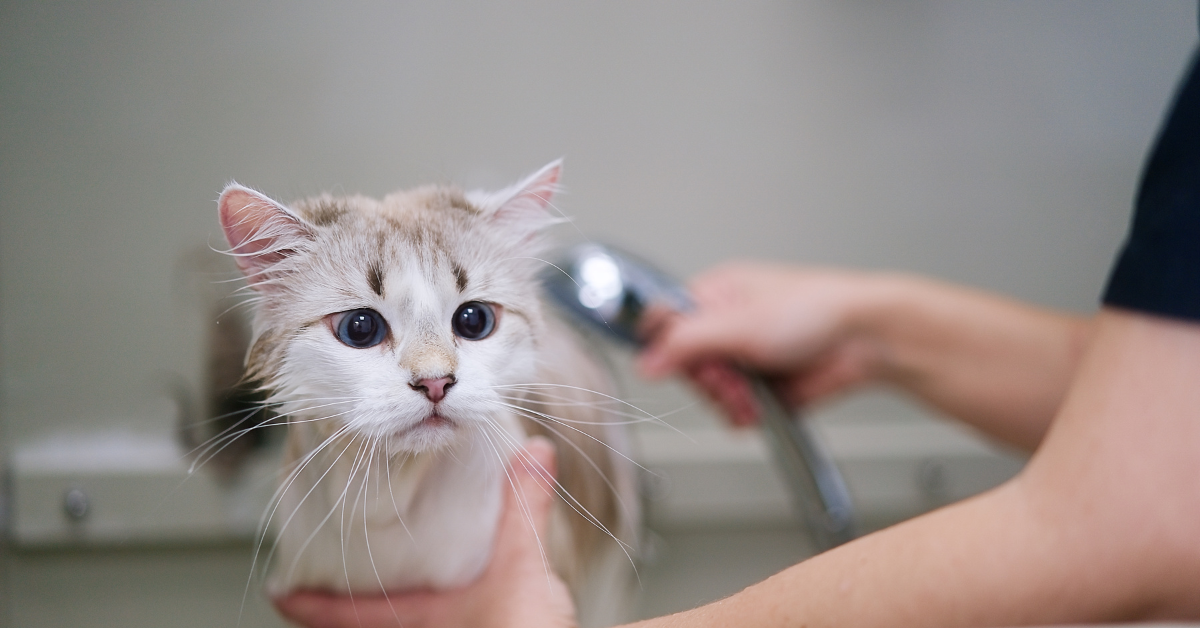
[993,144]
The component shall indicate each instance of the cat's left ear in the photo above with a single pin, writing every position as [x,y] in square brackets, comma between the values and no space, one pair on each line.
[525,207]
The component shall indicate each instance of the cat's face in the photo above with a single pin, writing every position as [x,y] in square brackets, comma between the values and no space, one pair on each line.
[396,319]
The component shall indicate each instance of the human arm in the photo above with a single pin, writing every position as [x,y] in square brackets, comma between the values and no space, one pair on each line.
[517,588]
[999,365]
[1100,526]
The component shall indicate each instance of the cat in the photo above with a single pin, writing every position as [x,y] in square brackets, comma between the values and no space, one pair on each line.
[405,344]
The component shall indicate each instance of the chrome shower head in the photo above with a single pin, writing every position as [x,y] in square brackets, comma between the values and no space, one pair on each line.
[609,291]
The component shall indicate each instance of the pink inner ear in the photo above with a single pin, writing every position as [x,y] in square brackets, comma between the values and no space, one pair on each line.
[540,188]
[260,230]
[528,202]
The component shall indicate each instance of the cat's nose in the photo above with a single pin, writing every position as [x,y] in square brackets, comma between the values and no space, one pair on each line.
[434,387]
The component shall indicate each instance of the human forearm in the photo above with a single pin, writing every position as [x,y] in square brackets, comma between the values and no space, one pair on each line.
[1000,365]
[995,363]
[1100,526]
[944,569]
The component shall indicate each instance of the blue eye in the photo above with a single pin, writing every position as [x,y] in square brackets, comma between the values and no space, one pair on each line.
[474,320]
[361,329]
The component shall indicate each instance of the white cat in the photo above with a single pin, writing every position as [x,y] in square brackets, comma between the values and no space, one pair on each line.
[405,344]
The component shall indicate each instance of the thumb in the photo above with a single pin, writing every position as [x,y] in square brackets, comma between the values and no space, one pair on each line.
[691,338]
[531,492]
[519,587]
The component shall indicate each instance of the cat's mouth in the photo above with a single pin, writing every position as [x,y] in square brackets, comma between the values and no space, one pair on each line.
[434,421]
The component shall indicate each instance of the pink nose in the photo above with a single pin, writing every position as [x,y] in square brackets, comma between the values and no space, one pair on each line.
[434,388]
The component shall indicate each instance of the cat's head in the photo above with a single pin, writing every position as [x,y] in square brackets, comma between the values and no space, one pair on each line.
[394,319]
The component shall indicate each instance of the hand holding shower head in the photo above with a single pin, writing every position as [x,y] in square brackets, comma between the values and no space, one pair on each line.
[609,291]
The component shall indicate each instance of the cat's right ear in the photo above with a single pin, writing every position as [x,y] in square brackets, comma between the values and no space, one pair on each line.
[260,231]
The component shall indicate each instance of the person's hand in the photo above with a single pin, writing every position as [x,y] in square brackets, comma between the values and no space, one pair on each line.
[517,589]
[795,326]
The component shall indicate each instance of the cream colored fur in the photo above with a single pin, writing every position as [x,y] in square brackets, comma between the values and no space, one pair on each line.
[374,499]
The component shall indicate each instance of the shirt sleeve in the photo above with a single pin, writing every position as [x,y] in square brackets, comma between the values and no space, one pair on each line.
[1158,269]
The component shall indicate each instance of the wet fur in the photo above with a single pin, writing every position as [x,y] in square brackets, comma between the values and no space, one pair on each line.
[370,502]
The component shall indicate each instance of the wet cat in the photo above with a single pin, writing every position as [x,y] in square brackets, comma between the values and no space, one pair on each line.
[404,342]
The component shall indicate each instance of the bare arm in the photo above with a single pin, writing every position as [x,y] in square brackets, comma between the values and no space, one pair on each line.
[995,363]
[998,364]
[1101,525]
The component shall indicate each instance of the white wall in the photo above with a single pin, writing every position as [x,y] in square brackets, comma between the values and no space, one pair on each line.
[996,144]
[991,143]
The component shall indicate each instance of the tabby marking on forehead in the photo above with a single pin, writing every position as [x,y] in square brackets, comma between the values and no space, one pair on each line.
[460,276]
[325,212]
[375,278]
[458,201]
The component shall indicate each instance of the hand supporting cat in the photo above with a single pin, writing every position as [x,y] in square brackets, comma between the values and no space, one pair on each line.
[516,588]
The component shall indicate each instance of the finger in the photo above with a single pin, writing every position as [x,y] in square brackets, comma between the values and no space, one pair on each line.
[745,408]
[719,284]
[835,374]
[528,501]
[691,338]
[729,389]
[655,325]
[326,610]
[518,587]
[654,320]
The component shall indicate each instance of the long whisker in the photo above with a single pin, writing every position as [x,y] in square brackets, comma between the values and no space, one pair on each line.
[199,450]
[587,458]
[546,262]
[317,528]
[205,457]
[561,490]
[603,404]
[367,536]
[537,387]
[568,498]
[277,498]
[208,444]
[342,527]
[527,412]
[633,419]
[392,492]
[255,408]
[291,476]
[519,495]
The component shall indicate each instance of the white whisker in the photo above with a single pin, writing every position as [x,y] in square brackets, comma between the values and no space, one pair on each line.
[317,528]
[527,412]
[300,289]
[392,494]
[595,467]
[372,448]
[566,495]
[522,501]
[537,387]
[277,499]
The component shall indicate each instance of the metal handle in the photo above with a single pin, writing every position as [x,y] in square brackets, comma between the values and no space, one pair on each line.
[610,290]
[818,491]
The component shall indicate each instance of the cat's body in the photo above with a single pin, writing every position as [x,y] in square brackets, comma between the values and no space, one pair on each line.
[404,341]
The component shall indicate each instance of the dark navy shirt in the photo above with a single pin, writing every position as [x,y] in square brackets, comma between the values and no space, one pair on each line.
[1158,270]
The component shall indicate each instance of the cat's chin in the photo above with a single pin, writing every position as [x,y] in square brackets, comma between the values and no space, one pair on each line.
[433,432]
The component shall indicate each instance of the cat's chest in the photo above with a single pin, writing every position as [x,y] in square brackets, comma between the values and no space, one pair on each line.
[397,521]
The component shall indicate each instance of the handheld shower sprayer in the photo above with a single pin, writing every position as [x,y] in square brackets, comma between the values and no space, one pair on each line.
[609,290]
